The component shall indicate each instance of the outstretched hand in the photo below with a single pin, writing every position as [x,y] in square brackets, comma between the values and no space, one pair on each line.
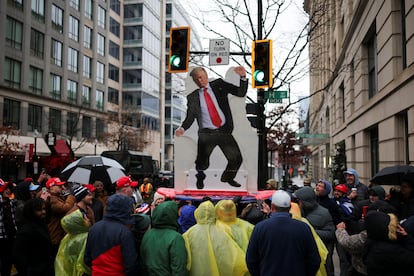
[239,70]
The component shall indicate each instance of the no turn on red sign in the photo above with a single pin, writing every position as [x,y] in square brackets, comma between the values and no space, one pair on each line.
[219,52]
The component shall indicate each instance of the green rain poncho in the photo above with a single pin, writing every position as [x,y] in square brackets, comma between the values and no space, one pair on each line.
[69,259]
[211,251]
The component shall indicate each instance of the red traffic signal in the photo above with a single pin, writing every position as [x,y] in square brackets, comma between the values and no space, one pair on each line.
[179,49]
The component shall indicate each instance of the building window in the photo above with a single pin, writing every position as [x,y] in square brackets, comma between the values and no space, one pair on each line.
[116,6]
[12,72]
[86,96]
[88,9]
[101,17]
[169,10]
[99,98]
[86,126]
[55,120]
[71,124]
[114,26]
[16,4]
[132,11]
[38,10]
[113,95]
[87,37]
[34,119]
[87,63]
[371,47]
[100,128]
[403,34]
[14,33]
[74,4]
[11,113]
[73,60]
[374,149]
[101,45]
[113,49]
[133,34]
[72,89]
[36,80]
[56,53]
[342,99]
[55,86]
[100,72]
[37,43]
[133,56]
[57,18]
[113,72]
[73,28]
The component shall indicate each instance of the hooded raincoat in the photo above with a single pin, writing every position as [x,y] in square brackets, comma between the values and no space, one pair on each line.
[163,250]
[69,259]
[239,229]
[211,251]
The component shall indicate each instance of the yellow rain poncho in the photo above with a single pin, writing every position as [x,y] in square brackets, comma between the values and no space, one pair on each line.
[69,259]
[323,251]
[240,230]
[211,251]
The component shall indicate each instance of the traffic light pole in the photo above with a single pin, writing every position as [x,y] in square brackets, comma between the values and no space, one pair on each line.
[261,130]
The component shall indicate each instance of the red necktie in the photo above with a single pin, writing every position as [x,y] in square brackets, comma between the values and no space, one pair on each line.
[212,110]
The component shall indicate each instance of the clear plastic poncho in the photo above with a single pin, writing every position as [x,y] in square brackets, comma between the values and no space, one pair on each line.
[69,259]
[211,250]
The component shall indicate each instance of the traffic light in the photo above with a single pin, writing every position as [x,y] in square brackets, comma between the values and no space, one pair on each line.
[262,64]
[179,49]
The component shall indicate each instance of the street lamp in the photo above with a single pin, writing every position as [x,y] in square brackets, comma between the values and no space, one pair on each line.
[35,167]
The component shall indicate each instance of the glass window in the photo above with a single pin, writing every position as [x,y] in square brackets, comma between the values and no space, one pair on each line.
[99,98]
[55,86]
[113,95]
[133,55]
[74,4]
[133,11]
[36,80]
[55,120]
[11,113]
[73,60]
[17,4]
[14,33]
[38,10]
[100,128]
[88,9]
[34,118]
[113,72]
[86,126]
[57,18]
[37,43]
[86,96]
[101,17]
[87,37]
[115,6]
[72,88]
[87,63]
[101,45]
[12,72]
[133,33]
[100,72]
[71,124]
[56,53]
[113,49]
[73,28]
[114,26]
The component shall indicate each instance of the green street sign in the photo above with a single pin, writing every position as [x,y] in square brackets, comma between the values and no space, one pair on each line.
[276,94]
[275,100]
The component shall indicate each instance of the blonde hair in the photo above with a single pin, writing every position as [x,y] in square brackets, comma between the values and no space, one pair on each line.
[392,227]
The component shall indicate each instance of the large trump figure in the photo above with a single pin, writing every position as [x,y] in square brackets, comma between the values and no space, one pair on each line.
[211,106]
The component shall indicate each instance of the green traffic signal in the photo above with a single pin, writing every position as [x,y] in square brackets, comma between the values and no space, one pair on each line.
[179,49]
[262,64]
[175,61]
[259,76]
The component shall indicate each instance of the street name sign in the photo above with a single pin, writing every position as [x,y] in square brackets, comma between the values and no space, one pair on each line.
[219,52]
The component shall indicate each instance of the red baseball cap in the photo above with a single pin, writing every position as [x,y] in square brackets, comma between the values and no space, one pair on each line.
[54,181]
[125,181]
[4,185]
[90,187]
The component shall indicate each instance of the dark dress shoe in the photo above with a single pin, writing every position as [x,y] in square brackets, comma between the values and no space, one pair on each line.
[234,183]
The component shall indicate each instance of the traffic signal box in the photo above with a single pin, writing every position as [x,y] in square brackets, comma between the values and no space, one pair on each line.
[262,64]
[179,49]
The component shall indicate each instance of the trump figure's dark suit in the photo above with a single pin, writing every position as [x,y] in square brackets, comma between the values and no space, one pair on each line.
[222,137]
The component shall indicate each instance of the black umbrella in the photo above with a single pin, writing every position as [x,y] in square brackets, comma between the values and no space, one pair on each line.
[91,168]
[394,175]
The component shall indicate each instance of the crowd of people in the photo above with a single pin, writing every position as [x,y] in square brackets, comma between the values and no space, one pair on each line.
[51,227]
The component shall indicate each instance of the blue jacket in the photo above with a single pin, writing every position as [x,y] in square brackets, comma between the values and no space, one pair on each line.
[282,246]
